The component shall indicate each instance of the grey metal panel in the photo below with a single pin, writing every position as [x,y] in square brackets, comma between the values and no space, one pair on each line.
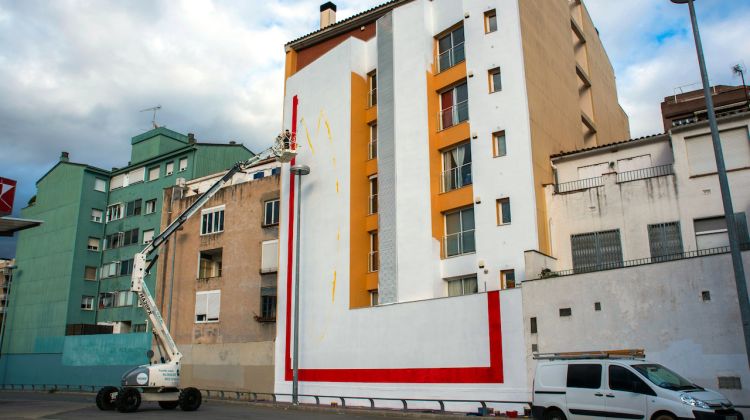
[596,250]
[665,240]
[388,271]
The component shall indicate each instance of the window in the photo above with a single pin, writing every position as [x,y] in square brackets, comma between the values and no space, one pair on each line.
[210,263]
[498,144]
[136,175]
[496,83]
[730,382]
[269,258]
[372,82]
[268,303]
[587,376]
[508,279]
[170,169]
[259,175]
[490,21]
[123,298]
[93,244]
[138,328]
[454,106]
[207,306]
[183,164]
[133,208]
[462,286]
[271,213]
[150,206]
[373,200]
[373,260]
[87,303]
[118,181]
[532,325]
[109,270]
[100,185]
[457,167]
[153,173]
[621,379]
[96,215]
[114,240]
[503,211]
[665,240]
[212,220]
[372,147]
[115,212]
[451,49]
[596,250]
[734,144]
[106,300]
[566,312]
[89,273]
[126,267]
[374,298]
[712,232]
[459,232]
[148,236]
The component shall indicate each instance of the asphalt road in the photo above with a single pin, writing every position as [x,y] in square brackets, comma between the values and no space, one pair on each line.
[39,405]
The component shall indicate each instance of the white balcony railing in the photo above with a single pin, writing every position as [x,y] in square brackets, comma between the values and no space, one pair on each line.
[373,262]
[459,243]
[453,115]
[456,178]
[451,57]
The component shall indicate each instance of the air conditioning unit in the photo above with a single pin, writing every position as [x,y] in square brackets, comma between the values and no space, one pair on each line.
[180,182]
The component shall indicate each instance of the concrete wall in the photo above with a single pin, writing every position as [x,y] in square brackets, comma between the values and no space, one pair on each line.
[236,352]
[656,307]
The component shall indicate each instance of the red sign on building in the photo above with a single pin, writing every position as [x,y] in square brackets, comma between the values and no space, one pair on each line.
[7,194]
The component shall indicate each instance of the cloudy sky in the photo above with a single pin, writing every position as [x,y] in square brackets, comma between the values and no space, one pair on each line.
[75,73]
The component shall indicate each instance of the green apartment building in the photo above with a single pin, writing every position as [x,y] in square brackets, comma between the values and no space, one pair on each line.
[73,319]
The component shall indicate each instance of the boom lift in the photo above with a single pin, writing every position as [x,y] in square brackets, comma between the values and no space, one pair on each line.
[161,381]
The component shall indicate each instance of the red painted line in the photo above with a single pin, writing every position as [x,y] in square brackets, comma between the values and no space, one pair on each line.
[484,374]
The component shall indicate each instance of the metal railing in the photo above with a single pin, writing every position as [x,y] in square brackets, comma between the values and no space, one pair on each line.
[652,172]
[372,149]
[459,243]
[581,184]
[453,115]
[373,204]
[637,262]
[455,178]
[372,97]
[373,262]
[451,57]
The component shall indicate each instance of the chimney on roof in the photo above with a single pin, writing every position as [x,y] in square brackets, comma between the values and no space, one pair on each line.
[191,138]
[64,157]
[232,142]
[327,14]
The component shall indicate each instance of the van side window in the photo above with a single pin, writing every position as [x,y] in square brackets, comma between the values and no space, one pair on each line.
[585,376]
[621,379]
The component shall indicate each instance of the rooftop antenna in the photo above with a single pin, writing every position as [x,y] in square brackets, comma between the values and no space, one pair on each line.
[153,120]
[740,69]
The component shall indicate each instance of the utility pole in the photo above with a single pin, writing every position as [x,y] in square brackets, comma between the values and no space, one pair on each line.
[726,197]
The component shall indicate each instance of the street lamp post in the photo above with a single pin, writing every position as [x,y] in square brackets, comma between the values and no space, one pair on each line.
[726,197]
[299,171]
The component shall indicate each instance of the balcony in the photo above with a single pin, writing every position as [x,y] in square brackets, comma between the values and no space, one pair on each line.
[459,243]
[453,115]
[456,178]
[645,173]
[581,184]
[373,262]
[372,98]
[373,204]
[451,57]
[372,149]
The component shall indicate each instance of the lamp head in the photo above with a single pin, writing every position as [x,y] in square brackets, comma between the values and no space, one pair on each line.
[680,1]
[300,169]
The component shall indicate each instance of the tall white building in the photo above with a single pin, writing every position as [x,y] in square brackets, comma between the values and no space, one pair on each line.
[428,127]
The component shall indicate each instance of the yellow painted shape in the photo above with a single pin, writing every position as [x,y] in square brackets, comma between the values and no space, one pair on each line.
[307,133]
[328,127]
[333,292]
[337,186]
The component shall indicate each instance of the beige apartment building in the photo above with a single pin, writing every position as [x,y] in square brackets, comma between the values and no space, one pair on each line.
[217,283]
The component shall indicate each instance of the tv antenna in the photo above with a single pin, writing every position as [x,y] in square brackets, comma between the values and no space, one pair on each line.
[153,120]
[739,69]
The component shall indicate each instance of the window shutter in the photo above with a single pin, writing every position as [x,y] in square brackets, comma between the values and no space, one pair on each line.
[200,304]
[136,175]
[269,256]
[213,305]
[118,181]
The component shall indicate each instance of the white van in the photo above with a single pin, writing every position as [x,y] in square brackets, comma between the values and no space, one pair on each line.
[611,388]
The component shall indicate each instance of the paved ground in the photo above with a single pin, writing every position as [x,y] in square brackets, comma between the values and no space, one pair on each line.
[39,405]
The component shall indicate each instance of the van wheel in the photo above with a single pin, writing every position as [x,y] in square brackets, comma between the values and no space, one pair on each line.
[105,398]
[554,414]
[663,416]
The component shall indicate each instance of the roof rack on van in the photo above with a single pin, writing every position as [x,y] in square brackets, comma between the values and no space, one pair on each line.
[602,354]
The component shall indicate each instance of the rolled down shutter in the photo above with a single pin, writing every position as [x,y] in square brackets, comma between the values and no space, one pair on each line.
[200,305]
[117,182]
[136,175]
[269,256]
[214,304]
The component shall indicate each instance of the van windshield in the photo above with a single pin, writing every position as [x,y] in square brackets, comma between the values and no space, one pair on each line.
[664,378]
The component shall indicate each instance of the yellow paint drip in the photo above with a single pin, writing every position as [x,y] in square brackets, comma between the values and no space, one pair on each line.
[328,127]
[337,186]
[307,133]
[333,292]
